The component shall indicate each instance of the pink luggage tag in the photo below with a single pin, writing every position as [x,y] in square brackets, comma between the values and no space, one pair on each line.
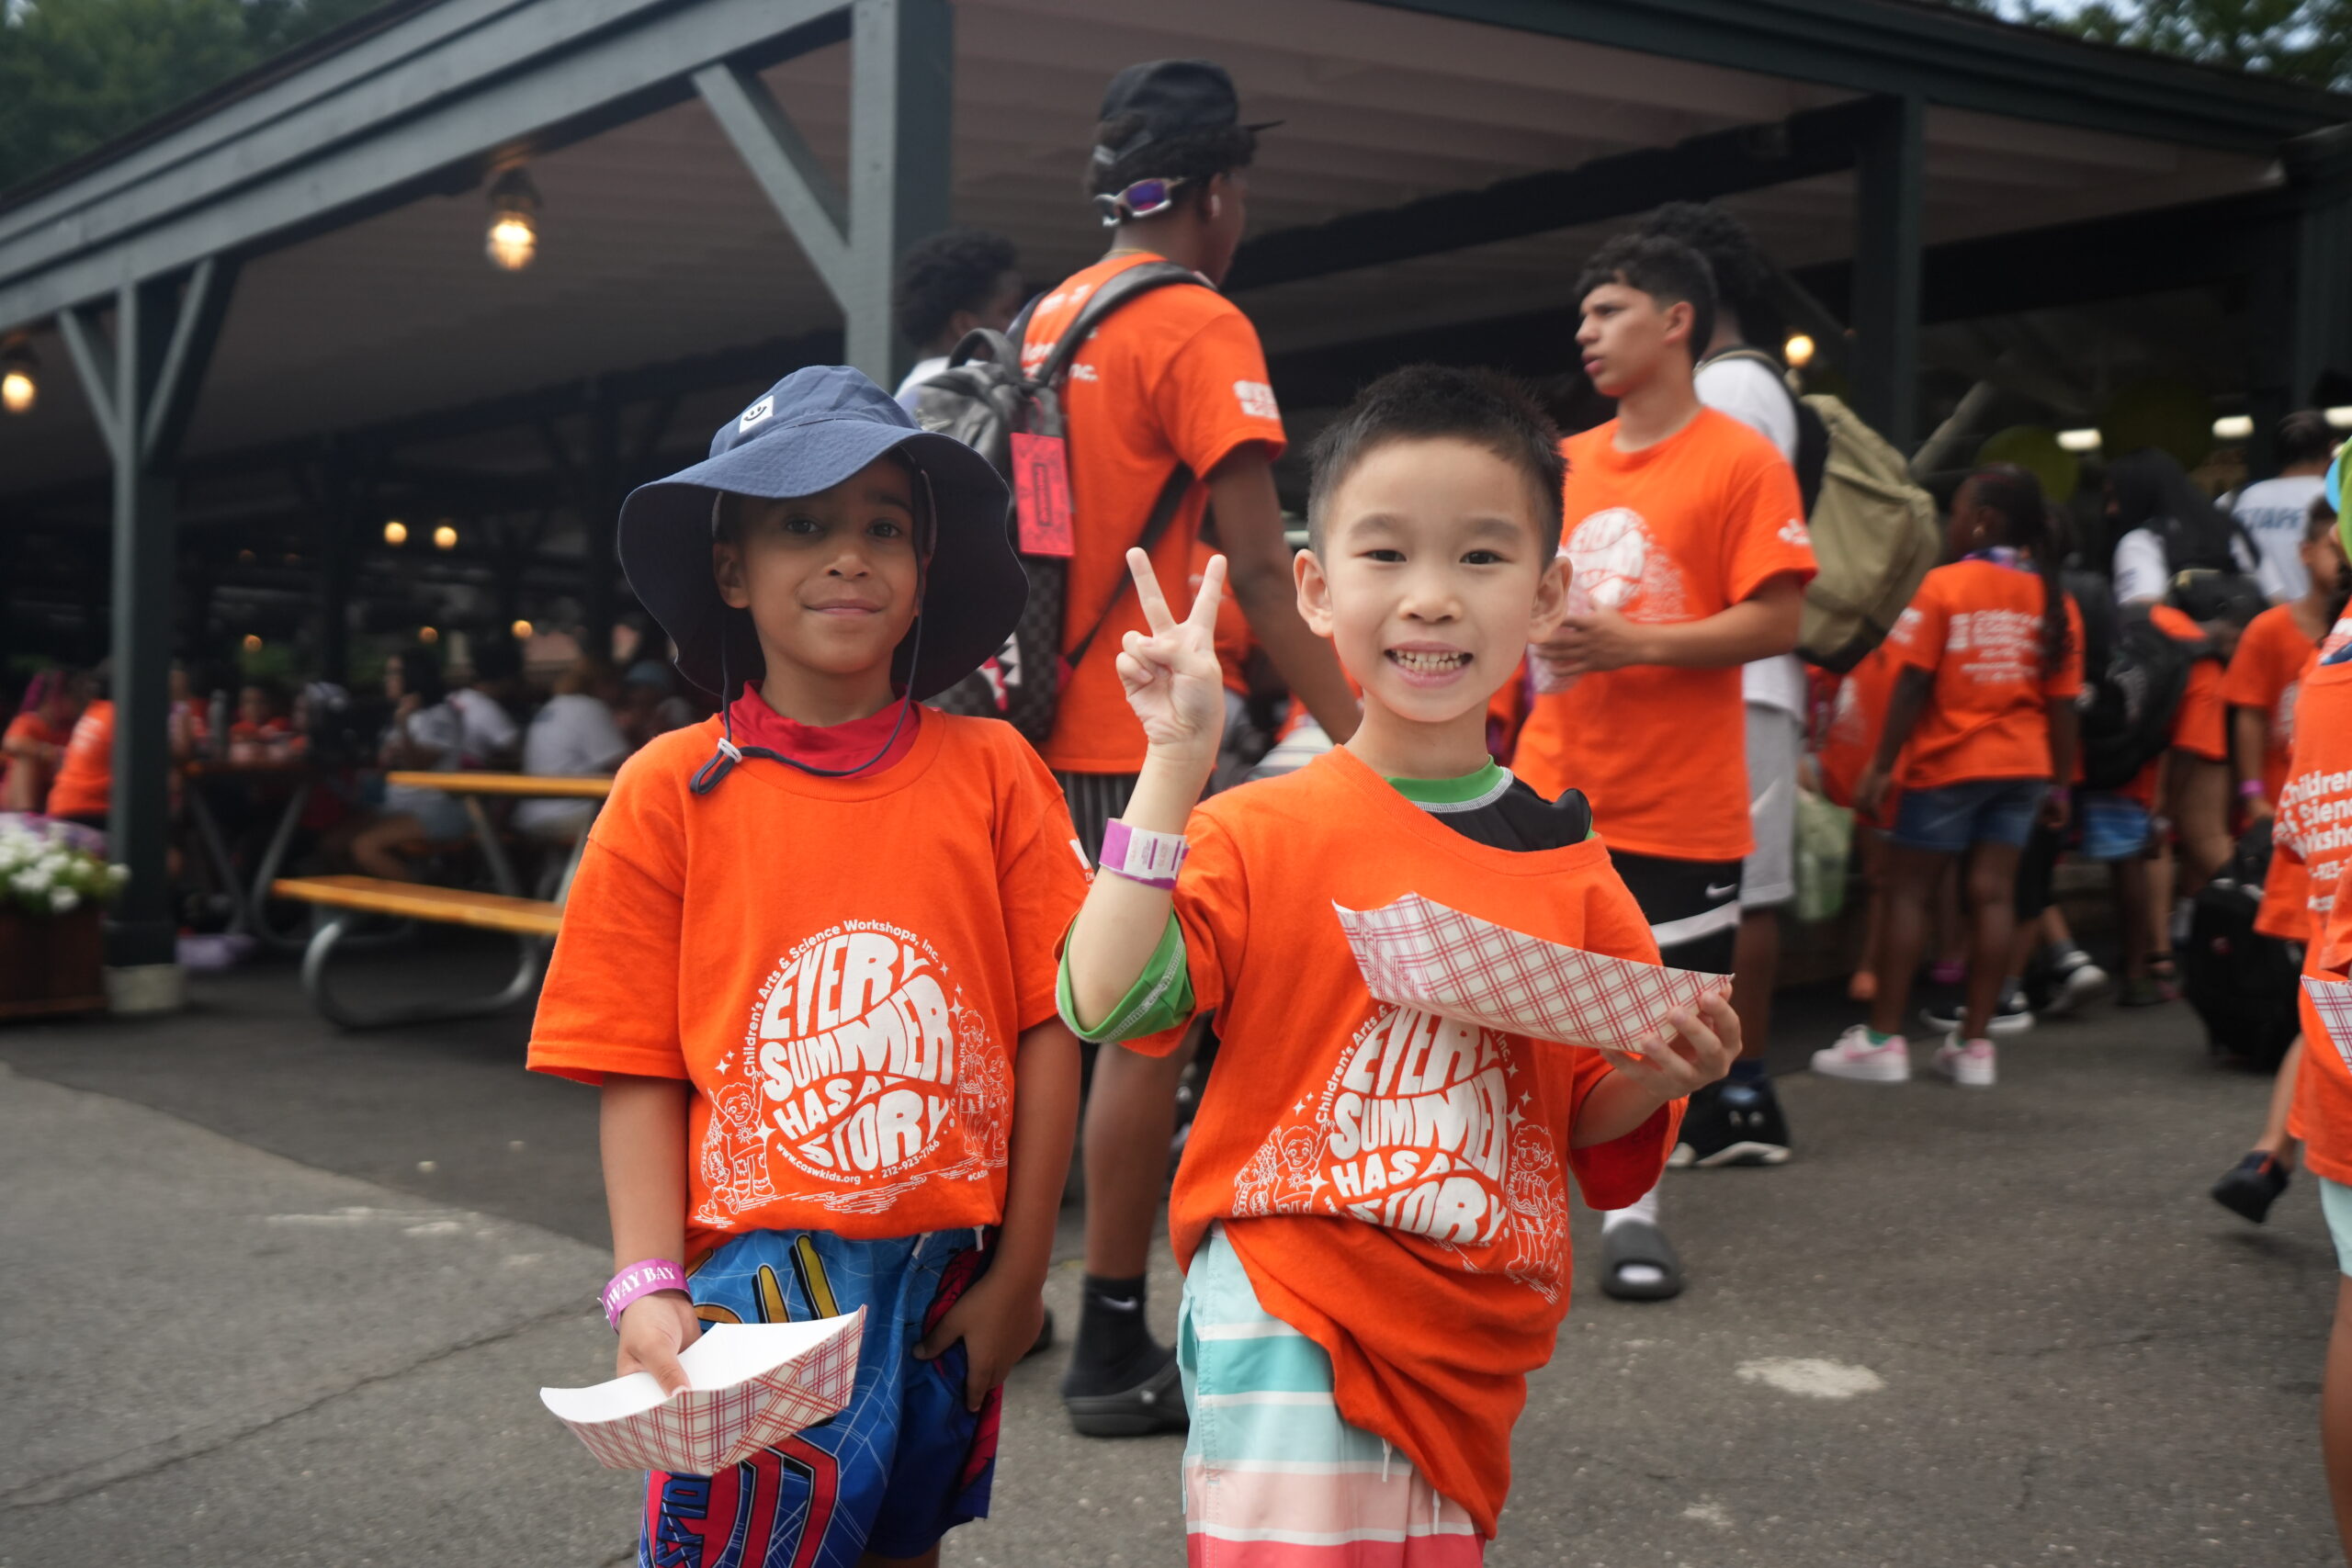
[1041,492]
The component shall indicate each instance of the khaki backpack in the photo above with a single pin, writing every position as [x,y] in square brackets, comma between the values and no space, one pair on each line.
[1873,538]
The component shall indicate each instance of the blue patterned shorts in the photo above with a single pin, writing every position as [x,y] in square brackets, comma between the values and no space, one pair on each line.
[898,1469]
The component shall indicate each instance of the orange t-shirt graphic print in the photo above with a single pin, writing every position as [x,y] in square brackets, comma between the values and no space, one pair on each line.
[862,1030]
[1679,531]
[840,968]
[1420,1130]
[1175,376]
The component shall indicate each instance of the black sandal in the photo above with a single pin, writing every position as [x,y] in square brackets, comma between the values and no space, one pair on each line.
[1639,1242]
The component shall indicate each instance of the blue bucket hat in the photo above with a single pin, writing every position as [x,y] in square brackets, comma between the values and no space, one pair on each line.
[808,433]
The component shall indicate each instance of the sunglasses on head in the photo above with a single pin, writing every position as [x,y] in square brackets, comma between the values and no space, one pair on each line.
[1144,198]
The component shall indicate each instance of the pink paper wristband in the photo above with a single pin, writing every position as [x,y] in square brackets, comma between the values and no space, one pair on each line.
[1141,855]
[640,1279]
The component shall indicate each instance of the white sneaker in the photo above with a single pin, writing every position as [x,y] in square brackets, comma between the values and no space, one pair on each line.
[1969,1066]
[1855,1058]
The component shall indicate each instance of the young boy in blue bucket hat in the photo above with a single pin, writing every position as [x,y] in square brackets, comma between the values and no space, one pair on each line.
[810,959]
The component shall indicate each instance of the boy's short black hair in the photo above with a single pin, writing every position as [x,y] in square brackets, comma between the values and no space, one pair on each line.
[1193,156]
[1428,402]
[2320,521]
[1666,270]
[2304,437]
[955,269]
[1745,280]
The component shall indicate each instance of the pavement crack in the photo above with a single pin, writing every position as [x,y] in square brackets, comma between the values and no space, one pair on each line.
[150,1459]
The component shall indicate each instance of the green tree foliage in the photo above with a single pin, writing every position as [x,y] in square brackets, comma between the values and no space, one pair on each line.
[76,74]
[2309,40]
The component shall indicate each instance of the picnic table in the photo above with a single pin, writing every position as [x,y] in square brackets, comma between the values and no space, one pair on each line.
[533,922]
[248,901]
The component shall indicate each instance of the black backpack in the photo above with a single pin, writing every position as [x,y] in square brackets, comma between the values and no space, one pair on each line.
[983,400]
[2242,984]
[2135,673]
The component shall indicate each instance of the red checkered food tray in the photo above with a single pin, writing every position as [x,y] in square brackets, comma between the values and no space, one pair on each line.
[1416,953]
[2331,1000]
[751,1385]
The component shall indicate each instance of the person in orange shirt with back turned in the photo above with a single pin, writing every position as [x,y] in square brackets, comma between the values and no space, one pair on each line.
[1685,529]
[1992,654]
[1171,390]
[1372,1208]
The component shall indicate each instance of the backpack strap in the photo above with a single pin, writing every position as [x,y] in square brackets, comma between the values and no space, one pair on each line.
[1141,279]
[1163,512]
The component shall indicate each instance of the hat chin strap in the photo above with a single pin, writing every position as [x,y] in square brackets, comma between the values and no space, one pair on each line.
[723,761]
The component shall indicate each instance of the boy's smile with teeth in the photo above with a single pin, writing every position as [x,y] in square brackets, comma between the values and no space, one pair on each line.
[1429,661]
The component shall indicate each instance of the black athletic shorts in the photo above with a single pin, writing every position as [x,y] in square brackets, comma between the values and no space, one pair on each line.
[1693,907]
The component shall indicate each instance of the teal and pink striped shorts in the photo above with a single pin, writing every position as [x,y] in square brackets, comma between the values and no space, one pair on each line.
[1273,1478]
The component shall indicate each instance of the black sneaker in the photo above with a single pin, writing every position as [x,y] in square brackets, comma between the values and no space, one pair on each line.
[1155,1405]
[2074,980]
[1733,1123]
[2251,1186]
[2012,1017]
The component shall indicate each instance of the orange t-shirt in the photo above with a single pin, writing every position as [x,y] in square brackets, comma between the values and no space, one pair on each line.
[839,967]
[85,781]
[1675,532]
[1173,376]
[2314,827]
[1395,1183]
[23,783]
[1857,717]
[2272,654]
[1976,626]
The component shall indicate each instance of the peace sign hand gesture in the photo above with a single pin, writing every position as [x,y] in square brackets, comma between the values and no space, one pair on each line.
[1170,671]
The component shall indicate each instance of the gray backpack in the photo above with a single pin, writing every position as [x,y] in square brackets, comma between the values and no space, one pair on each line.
[983,400]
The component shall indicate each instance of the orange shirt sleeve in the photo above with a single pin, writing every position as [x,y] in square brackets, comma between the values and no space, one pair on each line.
[1213,911]
[1041,876]
[2263,666]
[610,1003]
[1214,396]
[1766,533]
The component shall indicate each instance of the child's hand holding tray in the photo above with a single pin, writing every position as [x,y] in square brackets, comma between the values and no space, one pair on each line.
[751,1385]
[1418,954]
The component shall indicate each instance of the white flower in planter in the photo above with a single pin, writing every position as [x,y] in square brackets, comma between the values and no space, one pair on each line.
[63,900]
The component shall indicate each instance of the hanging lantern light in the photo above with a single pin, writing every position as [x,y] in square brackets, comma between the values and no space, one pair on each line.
[1797,351]
[521,631]
[444,537]
[513,236]
[19,376]
[396,532]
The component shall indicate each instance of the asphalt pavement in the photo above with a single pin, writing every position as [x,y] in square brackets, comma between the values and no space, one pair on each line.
[279,1295]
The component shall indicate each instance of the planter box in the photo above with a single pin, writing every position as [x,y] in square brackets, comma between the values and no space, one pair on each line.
[50,964]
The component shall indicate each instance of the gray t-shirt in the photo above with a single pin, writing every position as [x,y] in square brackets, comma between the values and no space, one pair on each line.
[1750,393]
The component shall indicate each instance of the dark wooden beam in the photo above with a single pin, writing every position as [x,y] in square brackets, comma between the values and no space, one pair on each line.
[1721,163]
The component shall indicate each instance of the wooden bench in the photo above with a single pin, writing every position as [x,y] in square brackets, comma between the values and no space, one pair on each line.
[533,922]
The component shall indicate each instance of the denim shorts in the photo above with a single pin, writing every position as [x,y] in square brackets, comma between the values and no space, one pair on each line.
[1979,811]
[890,1474]
[2114,827]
